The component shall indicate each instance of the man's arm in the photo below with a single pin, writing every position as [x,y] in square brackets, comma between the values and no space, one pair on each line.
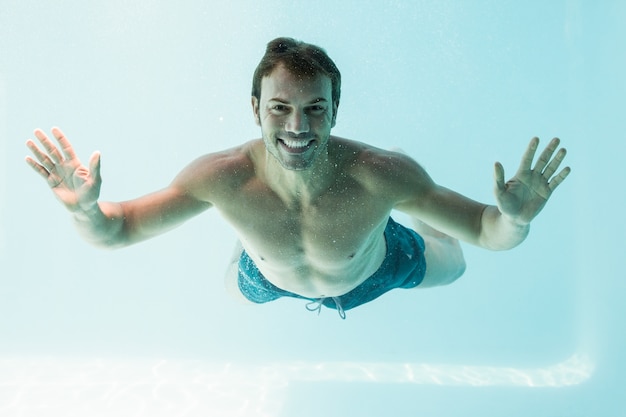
[110,224]
[499,227]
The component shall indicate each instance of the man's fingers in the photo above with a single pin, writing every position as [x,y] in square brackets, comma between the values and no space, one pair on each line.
[554,164]
[66,146]
[529,155]
[94,166]
[559,178]
[546,155]
[44,160]
[498,175]
[52,150]
[37,167]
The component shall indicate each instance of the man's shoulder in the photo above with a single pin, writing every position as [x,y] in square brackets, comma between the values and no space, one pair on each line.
[369,159]
[220,171]
[236,159]
[381,170]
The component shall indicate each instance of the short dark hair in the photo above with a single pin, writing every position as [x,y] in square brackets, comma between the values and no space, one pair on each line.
[300,58]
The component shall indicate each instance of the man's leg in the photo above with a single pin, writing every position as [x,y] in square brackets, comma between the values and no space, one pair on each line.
[444,256]
[231,280]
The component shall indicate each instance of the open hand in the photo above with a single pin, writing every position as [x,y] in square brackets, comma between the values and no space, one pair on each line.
[75,185]
[524,196]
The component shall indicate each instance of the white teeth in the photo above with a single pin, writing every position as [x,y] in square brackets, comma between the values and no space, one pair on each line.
[295,144]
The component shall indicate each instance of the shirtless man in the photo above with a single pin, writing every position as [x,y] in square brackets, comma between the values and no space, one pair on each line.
[312,211]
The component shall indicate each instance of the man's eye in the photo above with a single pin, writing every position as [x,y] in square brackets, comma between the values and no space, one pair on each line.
[279,108]
[317,109]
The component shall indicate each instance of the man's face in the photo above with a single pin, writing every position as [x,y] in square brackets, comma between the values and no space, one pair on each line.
[295,115]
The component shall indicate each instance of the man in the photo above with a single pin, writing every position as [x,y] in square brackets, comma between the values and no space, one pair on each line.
[312,210]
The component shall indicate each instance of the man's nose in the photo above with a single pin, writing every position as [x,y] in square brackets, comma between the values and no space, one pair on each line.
[297,122]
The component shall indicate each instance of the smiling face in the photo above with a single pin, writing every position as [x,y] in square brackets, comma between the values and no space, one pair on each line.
[295,115]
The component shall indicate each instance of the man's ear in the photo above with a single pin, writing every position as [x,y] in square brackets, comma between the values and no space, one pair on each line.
[255,110]
[334,119]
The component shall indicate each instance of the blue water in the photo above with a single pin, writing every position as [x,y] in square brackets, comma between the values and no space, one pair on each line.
[149,330]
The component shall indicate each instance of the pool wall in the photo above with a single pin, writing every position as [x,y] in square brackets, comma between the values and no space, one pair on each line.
[153,84]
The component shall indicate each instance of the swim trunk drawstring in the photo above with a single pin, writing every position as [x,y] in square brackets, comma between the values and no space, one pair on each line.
[316,305]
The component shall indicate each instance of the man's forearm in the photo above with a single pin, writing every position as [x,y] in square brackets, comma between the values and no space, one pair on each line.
[102,225]
[499,232]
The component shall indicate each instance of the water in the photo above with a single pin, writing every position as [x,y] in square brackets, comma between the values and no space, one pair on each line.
[149,330]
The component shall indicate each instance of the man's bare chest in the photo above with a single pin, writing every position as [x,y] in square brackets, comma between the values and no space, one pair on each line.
[334,227]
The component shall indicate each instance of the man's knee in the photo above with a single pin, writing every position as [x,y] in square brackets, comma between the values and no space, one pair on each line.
[445,262]
[458,271]
[457,262]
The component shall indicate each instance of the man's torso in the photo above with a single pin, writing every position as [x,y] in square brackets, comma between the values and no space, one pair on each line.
[319,248]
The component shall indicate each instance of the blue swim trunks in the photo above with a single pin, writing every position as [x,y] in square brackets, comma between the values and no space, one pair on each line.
[403,267]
